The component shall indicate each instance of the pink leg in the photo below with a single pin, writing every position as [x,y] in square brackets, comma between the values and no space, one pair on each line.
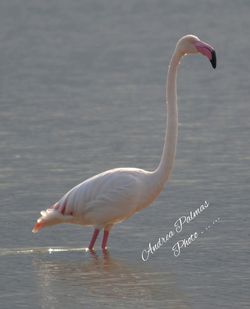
[105,239]
[93,239]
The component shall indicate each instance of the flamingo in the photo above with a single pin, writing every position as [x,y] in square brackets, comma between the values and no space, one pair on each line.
[115,195]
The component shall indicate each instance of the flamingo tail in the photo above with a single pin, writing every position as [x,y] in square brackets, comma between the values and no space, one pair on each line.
[50,217]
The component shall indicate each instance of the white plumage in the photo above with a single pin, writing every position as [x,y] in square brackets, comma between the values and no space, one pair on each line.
[115,195]
[101,201]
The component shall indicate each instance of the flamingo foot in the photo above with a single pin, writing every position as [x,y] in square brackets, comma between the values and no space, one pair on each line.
[93,239]
[105,240]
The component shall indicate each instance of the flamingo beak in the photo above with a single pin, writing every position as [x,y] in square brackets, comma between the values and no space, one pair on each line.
[213,59]
[208,51]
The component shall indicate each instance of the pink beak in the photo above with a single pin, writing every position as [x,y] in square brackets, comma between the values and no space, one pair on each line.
[208,51]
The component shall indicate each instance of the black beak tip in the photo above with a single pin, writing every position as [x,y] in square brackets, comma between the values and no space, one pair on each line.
[213,59]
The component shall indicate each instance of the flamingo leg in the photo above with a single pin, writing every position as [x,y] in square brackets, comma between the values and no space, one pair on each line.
[93,239]
[105,239]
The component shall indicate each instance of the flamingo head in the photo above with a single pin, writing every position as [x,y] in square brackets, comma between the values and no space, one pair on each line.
[191,44]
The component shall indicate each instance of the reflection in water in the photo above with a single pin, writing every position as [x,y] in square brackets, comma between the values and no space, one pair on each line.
[101,279]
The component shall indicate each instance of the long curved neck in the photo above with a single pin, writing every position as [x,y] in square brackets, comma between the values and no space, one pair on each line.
[163,171]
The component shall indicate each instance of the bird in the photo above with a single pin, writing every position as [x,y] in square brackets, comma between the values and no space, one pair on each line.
[113,196]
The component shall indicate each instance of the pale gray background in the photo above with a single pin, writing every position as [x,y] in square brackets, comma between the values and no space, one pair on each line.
[81,91]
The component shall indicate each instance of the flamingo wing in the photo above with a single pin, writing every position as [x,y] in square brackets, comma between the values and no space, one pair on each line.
[109,198]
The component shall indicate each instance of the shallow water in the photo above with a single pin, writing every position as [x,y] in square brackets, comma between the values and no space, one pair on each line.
[82,90]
